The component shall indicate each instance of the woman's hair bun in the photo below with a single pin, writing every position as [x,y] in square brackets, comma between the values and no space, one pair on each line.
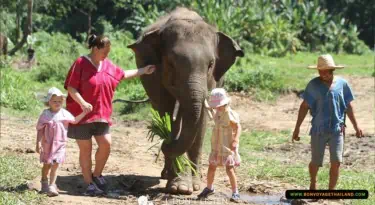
[92,40]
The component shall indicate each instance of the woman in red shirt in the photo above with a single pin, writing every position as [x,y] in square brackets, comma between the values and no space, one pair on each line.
[91,83]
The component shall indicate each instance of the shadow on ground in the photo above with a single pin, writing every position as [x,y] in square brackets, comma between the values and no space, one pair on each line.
[118,185]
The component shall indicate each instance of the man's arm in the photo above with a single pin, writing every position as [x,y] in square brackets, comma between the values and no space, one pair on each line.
[350,113]
[303,108]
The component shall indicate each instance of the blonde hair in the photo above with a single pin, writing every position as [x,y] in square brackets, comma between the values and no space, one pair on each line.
[46,103]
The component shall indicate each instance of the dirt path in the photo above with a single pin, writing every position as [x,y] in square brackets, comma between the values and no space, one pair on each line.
[132,172]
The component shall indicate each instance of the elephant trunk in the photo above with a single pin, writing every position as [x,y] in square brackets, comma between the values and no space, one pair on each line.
[191,113]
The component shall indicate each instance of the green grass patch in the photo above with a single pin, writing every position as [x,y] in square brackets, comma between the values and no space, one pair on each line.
[292,64]
[132,112]
[17,90]
[265,78]
[253,141]
[258,140]
[15,171]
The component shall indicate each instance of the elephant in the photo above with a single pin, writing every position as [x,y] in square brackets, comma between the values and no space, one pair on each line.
[191,58]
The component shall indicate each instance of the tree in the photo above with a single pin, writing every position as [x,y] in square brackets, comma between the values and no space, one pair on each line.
[27,30]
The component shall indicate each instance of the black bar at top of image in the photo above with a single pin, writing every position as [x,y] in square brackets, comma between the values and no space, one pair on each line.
[326,194]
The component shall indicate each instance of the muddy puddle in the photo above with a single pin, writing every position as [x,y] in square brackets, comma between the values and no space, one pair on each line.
[262,199]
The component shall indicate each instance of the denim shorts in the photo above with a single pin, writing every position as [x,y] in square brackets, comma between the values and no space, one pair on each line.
[86,131]
[335,142]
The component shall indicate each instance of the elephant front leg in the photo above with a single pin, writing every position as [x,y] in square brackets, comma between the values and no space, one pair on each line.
[196,176]
[178,184]
[167,168]
[195,154]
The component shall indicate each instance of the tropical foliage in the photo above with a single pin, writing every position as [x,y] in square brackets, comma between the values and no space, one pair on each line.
[267,27]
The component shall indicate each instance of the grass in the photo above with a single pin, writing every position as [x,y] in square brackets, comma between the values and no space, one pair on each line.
[358,65]
[259,140]
[15,171]
[265,78]
[254,140]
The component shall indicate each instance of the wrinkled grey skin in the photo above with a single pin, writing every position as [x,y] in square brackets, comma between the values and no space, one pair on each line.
[191,58]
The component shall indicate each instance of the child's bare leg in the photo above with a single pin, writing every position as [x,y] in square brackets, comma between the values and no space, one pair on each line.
[45,171]
[53,174]
[313,169]
[232,178]
[210,176]
[333,174]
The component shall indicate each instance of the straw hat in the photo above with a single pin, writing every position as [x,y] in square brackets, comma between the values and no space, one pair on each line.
[325,62]
[218,98]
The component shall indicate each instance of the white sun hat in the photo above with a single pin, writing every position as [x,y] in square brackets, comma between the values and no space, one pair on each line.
[325,62]
[53,91]
[218,98]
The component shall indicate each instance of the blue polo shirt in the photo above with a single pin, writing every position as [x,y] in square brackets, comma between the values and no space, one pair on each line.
[327,105]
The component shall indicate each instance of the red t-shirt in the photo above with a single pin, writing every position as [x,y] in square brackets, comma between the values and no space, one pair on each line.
[96,87]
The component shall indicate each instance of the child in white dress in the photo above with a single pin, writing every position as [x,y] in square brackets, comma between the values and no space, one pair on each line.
[224,142]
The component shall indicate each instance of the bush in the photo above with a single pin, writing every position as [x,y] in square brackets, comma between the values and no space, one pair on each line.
[120,54]
[249,78]
[55,54]
[131,90]
[272,28]
[17,90]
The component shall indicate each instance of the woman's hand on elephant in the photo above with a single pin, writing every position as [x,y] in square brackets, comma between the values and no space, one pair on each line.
[149,69]
[86,107]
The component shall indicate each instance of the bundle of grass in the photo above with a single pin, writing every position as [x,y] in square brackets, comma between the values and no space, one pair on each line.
[161,126]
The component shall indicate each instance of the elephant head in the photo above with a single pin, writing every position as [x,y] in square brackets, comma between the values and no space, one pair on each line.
[191,57]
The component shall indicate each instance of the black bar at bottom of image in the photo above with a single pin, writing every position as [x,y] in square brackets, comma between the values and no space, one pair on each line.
[326,194]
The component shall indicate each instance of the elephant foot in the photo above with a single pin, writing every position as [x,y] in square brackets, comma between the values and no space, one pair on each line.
[196,183]
[180,185]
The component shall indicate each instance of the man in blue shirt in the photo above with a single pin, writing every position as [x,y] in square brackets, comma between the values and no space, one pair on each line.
[329,98]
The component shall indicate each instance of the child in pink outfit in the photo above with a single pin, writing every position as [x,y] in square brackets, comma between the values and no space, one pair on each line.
[224,142]
[52,137]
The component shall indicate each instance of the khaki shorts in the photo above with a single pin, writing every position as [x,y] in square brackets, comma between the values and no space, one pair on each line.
[318,145]
[86,131]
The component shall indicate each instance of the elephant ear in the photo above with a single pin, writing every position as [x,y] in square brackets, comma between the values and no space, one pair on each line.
[227,51]
[147,49]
